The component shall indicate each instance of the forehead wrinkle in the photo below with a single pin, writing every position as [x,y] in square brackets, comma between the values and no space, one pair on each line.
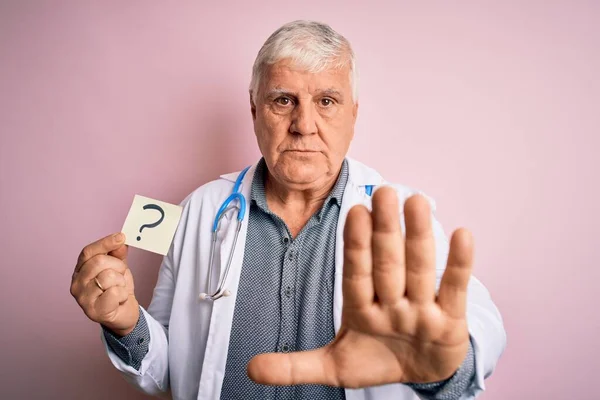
[285,70]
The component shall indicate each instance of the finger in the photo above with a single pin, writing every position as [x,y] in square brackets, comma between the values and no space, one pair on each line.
[108,302]
[283,369]
[102,246]
[388,247]
[357,281]
[420,250]
[129,285]
[452,295]
[97,264]
[120,252]
[108,278]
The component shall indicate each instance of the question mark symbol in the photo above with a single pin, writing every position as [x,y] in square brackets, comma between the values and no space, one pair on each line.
[162,216]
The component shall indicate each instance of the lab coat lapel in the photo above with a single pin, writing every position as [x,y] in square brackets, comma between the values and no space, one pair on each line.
[358,176]
[217,343]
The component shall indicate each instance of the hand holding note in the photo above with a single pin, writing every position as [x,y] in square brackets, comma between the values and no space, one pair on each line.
[102,283]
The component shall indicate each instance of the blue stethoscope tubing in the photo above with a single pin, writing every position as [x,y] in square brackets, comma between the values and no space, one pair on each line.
[223,210]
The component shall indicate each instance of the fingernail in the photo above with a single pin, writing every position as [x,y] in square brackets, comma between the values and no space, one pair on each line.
[118,238]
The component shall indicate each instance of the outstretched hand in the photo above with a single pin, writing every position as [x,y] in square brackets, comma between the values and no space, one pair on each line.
[394,327]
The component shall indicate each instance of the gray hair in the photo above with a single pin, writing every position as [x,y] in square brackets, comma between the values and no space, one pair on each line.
[312,46]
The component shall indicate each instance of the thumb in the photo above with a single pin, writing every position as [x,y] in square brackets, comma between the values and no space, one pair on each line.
[120,252]
[103,246]
[306,367]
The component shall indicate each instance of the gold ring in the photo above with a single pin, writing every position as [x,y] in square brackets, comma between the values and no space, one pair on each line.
[98,284]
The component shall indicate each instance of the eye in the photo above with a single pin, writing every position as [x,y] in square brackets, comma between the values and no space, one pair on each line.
[283,101]
[326,102]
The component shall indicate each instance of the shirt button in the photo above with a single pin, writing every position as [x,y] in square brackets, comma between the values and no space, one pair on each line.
[140,340]
[291,256]
[285,348]
[286,240]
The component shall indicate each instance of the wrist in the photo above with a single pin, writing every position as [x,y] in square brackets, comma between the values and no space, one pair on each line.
[120,332]
[120,329]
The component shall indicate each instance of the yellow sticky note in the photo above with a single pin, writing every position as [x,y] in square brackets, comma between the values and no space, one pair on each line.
[151,224]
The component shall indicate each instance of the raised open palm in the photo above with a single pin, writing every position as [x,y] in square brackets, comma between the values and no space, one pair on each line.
[395,328]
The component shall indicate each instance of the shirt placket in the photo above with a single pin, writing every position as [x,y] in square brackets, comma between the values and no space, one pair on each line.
[288,323]
[287,336]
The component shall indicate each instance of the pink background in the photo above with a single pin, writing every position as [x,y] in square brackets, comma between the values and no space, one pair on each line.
[491,109]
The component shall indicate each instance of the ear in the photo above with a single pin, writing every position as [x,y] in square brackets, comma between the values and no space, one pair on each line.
[355,110]
[252,107]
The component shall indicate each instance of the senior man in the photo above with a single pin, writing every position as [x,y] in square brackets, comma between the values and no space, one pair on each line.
[319,228]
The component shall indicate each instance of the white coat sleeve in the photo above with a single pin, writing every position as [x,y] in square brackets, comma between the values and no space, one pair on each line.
[483,318]
[153,376]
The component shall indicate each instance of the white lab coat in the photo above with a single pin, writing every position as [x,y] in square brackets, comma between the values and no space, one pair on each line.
[190,337]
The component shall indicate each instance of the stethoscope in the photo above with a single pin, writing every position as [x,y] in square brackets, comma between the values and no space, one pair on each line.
[241,212]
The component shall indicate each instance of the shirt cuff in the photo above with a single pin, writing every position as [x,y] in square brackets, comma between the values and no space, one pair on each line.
[131,348]
[453,387]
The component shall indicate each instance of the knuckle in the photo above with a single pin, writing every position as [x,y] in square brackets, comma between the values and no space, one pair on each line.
[111,292]
[112,275]
[117,273]
[357,242]
[387,262]
[77,289]
[90,313]
[74,289]
[86,306]
[86,252]
[119,266]
[99,262]
[90,264]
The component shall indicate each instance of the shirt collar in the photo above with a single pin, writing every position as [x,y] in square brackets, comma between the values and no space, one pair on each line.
[258,194]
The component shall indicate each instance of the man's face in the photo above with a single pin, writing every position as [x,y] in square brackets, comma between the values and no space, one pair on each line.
[304,123]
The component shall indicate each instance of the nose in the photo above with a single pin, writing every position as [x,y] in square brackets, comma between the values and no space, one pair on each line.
[304,119]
